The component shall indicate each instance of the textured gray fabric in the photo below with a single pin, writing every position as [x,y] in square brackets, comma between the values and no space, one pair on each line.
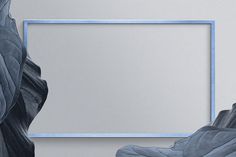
[22,92]
[216,140]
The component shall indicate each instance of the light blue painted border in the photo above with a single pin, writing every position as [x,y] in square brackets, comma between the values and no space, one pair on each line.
[107,135]
[28,22]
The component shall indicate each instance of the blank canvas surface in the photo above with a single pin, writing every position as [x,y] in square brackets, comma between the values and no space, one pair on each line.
[122,78]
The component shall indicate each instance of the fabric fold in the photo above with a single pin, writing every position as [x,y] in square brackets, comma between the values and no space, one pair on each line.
[22,91]
[215,140]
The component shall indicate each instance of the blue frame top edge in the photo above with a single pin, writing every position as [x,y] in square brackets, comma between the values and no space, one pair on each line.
[116,21]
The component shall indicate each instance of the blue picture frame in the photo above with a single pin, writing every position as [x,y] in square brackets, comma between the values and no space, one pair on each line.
[211,23]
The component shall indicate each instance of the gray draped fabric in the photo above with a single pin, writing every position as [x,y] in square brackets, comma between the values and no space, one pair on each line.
[22,92]
[216,140]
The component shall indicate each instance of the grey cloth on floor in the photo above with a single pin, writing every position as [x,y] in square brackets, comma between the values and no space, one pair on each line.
[216,140]
[22,92]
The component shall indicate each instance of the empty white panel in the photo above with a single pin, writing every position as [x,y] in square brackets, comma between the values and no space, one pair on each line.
[122,78]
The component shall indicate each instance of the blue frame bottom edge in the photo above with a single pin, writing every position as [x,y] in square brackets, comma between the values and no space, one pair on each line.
[109,135]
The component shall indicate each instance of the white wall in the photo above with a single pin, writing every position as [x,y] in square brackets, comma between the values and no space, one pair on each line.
[223,12]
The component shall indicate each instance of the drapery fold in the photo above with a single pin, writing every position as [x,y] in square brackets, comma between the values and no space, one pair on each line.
[22,91]
[215,140]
